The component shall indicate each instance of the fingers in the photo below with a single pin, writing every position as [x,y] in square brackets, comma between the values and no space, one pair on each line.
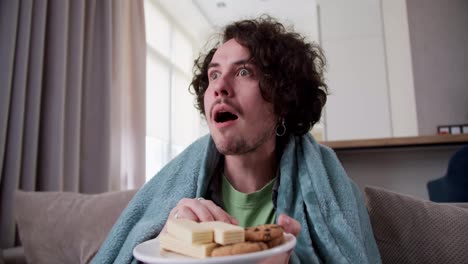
[181,212]
[218,213]
[184,212]
[289,224]
[201,210]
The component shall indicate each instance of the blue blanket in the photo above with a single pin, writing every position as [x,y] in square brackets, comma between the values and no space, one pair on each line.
[314,189]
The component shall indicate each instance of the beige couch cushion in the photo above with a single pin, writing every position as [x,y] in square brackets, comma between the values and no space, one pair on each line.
[411,230]
[61,227]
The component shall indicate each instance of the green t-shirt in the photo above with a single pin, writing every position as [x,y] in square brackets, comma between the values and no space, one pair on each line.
[249,209]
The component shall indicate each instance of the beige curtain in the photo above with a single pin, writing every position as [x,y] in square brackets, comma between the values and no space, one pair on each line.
[72,98]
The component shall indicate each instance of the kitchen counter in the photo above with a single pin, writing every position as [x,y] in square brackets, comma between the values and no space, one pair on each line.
[403,164]
[419,141]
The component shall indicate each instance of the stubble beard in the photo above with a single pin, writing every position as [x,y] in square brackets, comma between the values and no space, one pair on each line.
[240,145]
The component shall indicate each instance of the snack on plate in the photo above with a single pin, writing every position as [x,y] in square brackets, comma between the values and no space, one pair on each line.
[224,233]
[169,242]
[276,242]
[263,233]
[238,248]
[190,231]
[201,240]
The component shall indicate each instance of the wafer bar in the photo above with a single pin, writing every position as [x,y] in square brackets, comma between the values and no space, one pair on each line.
[171,243]
[225,233]
[189,231]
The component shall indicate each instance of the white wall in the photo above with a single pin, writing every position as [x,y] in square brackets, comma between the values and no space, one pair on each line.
[353,41]
[370,74]
[188,16]
[399,68]
[439,47]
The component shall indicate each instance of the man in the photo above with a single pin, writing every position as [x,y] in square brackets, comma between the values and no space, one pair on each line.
[261,90]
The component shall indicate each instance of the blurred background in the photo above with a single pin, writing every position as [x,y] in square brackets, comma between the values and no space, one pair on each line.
[396,68]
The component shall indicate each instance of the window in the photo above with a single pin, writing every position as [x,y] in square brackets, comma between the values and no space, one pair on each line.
[172,121]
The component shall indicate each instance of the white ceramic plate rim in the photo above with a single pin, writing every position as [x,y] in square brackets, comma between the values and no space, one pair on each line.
[140,253]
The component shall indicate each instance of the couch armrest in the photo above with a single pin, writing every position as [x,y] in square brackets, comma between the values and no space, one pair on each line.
[13,255]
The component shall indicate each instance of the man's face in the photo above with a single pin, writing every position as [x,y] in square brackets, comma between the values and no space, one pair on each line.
[239,119]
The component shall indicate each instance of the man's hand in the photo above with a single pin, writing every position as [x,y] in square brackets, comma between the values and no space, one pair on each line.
[199,210]
[292,226]
[289,224]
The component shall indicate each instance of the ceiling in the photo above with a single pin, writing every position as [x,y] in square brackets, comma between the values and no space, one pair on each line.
[301,14]
[202,18]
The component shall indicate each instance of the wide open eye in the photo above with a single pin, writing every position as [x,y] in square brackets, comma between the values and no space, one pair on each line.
[214,75]
[244,72]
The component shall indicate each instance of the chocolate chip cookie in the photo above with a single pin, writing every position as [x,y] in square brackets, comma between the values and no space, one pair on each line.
[275,242]
[263,233]
[238,248]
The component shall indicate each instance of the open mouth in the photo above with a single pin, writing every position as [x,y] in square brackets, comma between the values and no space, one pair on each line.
[224,116]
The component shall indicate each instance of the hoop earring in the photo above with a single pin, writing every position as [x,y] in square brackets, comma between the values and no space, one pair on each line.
[281,129]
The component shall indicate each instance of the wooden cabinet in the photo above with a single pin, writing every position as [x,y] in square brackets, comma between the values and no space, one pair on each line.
[395,67]
[352,38]
[371,94]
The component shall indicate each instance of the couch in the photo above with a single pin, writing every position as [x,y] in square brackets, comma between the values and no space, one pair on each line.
[59,227]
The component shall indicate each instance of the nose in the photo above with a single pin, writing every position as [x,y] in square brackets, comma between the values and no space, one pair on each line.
[223,87]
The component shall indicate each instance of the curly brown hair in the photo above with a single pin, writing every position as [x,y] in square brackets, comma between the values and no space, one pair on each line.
[292,71]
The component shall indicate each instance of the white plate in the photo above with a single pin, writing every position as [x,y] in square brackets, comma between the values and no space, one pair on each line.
[149,252]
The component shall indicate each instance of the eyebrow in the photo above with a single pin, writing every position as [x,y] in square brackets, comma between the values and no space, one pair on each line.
[239,62]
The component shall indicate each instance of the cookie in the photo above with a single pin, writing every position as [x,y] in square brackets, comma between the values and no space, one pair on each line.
[276,242]
[263,233]
[238,248]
